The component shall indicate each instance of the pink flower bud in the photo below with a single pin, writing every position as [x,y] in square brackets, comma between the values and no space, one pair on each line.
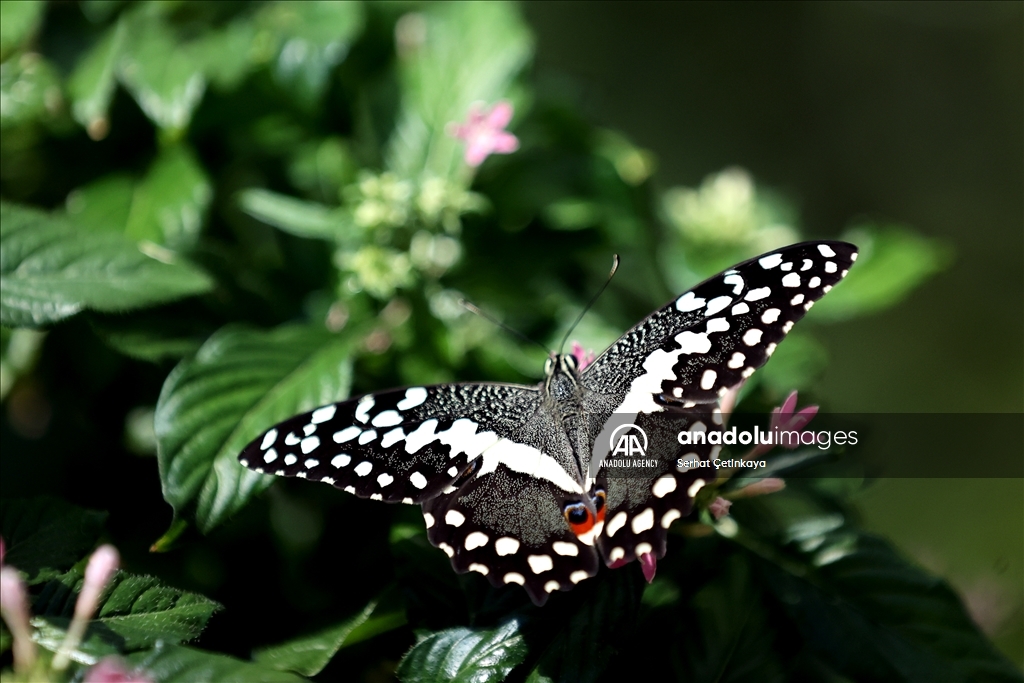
[649,565]
[583,358]
[14,609]
[719,508]
[112,670]
[101,567]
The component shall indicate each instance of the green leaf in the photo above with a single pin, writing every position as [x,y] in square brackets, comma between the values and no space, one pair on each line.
[30,90]
[296,216]
[46,536]
[137,612]
[734,640]
[180,664]
[585,641]
[170,203]
[461,655]
[308,655]
[103,205]
[228,54]
[18,23]
[893,262]
[163,75]
[49,270]
[241,382]
[92,83]
[797,362]
[858,605]
[152,335]
[314,38]
[451,55]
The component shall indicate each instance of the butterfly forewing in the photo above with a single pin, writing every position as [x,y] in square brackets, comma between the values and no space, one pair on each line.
[403,445]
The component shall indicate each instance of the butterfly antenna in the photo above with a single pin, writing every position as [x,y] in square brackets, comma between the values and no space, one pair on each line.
[611,274]
[473,308]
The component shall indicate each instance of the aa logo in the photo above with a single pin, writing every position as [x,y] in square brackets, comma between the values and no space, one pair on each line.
[628,440]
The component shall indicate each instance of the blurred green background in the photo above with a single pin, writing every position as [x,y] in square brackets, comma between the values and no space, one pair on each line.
[908,112]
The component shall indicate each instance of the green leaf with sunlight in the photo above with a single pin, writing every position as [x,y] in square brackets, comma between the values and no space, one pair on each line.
[451,55]
[136,612]
[30,90]
[309,654]
[18,23]
[103,205]
[180,664]
[314,38]
[241,382]
[893,261]
[50,270]
[462,655]
[45,536]
[92,83]
[170,202]
[296,216]
[163,75]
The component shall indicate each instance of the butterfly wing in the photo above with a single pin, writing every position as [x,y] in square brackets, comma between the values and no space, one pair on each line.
[404,445]
[684,357]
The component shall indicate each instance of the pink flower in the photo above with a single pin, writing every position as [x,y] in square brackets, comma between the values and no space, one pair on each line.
[583,358]
[784,419]
[719,508]
[112,670]
[14,610]
[98,572]
[484,132]
[649,565]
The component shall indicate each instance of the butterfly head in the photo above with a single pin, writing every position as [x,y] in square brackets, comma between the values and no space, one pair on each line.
[561,375]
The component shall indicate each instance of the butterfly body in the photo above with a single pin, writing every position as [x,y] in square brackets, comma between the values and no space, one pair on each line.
[510,477]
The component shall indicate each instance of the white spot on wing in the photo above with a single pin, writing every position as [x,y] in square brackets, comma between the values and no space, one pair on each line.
[566,549]
[308,429]
[551,586]
[689,302]
[643,521]
[616,554]
[363,408]
[695,487]
[663,486]
[448,550]
[414,396]
[418,480]
[392,437]
[540,563]
[787,266]
[477,539]
[428,519]
[347,434]
[578,575]
[826,250]
[707,380]
[808,264]
[268,439]
[309,443]
[736,281]
[388,418]
[830,267]
[770,316]
[791,280]
[815,282]
[740,309]
[421,436]
[291,439]
[643,548]
[341,460]
[363,468]
[514,577]
[669,517]
[479,568]
[752,336]
[796,300]
[757,294]
[769,262]
[383,479]
[454,518]
[290,460]
[736,362]
[528,460]
[323,414]
[270,456]
[717,304]
[367,436]
[717,325]
[311,463]
[506,545]
[615,523]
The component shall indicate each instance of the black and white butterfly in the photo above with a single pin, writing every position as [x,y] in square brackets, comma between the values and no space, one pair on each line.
[502,471]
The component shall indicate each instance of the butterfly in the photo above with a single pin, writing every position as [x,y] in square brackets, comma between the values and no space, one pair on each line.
[505,473]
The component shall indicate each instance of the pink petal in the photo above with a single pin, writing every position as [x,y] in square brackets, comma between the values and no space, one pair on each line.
[719,508]
[111,670]
[803,418]
[649,564]
[101,567]
[621,562]
[476,153]
[500,115]
[789,404]
[505,143]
